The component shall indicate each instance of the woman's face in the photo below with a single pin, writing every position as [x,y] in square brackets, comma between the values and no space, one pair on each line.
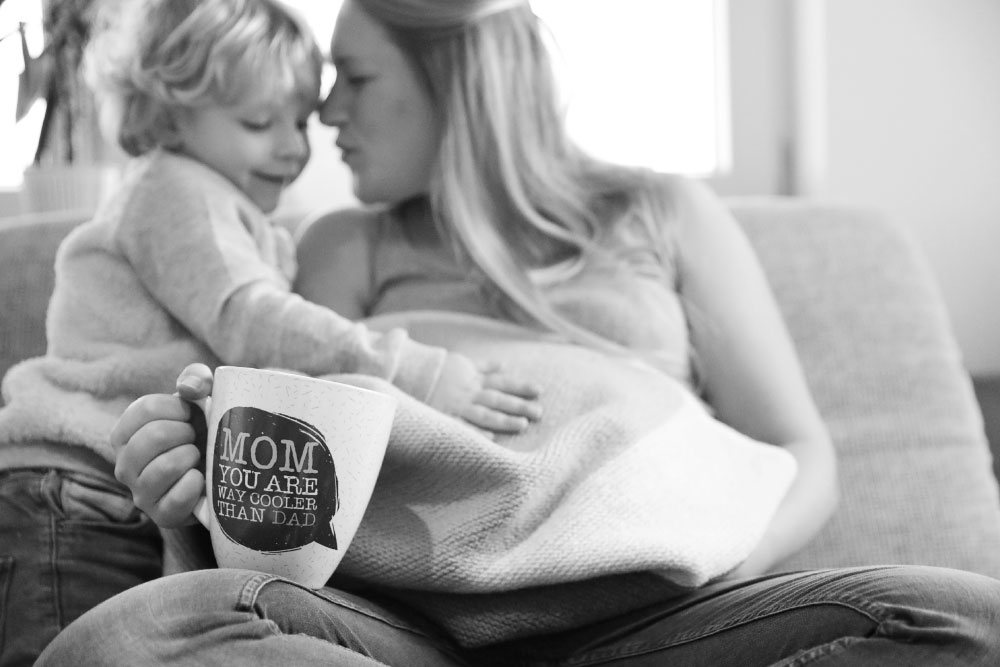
[388,130]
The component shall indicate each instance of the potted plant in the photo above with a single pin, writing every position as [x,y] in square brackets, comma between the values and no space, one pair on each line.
[73,165]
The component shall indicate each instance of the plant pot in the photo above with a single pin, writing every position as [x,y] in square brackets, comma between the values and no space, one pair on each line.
[67,187]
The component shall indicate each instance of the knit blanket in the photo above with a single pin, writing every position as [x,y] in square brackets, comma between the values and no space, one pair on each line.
[626,492]
[626,472]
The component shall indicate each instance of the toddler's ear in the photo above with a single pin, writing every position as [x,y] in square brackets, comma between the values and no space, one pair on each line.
[168,129]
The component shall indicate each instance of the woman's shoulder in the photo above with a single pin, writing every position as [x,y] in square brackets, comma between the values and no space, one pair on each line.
[340,224]
[334,256]
[692,203]
[685,192]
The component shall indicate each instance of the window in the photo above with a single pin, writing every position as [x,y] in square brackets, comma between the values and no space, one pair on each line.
[645,81]
[18,140]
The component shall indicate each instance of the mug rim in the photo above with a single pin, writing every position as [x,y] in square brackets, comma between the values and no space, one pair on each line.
[303,376]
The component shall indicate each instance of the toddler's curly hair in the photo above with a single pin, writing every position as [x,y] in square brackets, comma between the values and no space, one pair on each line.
[148,58]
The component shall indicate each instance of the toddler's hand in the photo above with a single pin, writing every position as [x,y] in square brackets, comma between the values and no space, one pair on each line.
[156,452]
[485,397]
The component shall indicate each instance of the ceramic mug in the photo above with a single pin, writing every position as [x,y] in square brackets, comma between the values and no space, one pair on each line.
[291,462]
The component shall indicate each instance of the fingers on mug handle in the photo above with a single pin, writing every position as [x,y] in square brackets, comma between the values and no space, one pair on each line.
[194,385]
[194,382]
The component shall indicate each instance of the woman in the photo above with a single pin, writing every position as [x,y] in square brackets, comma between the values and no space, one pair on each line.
[446,112]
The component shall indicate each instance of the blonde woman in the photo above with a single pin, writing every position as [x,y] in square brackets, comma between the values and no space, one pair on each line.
[448,118]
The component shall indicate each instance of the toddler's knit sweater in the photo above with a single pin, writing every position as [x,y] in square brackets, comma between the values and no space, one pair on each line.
[180,267]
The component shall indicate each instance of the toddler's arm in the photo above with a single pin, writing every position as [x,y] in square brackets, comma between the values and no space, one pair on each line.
[215,265]
[157,443]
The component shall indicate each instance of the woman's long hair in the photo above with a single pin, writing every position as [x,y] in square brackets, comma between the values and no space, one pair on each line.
[512,191]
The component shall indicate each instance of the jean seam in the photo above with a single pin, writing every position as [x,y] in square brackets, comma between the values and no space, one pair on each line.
[45,488]
[7,565]
[251,590]
[822,651]
[341,602]
[605,655]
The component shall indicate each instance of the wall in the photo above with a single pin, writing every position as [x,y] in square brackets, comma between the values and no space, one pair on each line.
[914,128]
[760,99]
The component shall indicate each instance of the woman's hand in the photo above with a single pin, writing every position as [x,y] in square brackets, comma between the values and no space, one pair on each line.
[156,451]
[485,397]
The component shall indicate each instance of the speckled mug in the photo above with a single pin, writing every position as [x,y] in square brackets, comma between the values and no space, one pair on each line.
[290,465]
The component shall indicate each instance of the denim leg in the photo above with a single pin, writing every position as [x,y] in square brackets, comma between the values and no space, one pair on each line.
[858,616]
[879,616]
[68,541]
[237,617]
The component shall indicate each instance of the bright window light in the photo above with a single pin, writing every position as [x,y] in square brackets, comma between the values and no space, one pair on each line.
[646,81]
[18,140]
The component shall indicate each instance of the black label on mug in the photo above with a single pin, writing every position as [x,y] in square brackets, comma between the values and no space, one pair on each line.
[274,483]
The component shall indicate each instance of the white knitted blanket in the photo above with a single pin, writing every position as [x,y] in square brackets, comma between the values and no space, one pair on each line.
[626,473]
[626,493]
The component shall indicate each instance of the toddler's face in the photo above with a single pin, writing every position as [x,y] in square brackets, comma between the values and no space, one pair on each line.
[259,144]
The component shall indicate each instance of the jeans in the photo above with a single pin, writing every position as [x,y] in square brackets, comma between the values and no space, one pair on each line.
[860,616]
[68,541]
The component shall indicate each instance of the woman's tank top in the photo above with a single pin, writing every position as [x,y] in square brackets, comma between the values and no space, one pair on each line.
[626,296]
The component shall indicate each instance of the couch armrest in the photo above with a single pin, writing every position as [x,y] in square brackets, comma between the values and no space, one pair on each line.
[881,358]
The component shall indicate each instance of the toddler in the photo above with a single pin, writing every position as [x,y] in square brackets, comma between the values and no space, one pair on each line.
[211,99]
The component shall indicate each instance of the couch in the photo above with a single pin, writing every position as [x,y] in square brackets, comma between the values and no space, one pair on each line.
[877,347]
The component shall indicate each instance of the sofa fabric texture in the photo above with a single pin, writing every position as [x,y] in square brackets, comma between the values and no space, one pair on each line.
[878,350]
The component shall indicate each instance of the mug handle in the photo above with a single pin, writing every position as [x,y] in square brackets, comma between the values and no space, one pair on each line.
[202,511]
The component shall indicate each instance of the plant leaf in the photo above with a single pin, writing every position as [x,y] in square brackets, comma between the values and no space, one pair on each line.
[33,81]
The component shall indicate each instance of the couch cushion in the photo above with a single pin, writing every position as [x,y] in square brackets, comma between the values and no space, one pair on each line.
[27,252]
[881,358]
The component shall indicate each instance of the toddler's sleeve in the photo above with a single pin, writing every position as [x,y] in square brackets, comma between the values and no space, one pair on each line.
[198,256]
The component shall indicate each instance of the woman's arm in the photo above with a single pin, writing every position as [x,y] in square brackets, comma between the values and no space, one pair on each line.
[749,368]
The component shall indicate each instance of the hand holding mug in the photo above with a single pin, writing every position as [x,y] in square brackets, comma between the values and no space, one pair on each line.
[291,462]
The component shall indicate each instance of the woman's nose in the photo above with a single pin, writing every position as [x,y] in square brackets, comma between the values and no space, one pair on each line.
[332,111]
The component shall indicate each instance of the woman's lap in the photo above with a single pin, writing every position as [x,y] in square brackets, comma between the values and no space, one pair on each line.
[237,617]
[882,616]
[68,541]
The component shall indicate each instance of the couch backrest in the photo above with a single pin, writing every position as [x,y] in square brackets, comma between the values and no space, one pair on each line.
[27,251]
[882,361]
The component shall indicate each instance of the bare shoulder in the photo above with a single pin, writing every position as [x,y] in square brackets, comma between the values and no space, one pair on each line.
[336,227]
[692,198]
[334,251]
[701,214]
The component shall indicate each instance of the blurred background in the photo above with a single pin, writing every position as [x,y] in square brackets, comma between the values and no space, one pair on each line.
[892,104]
